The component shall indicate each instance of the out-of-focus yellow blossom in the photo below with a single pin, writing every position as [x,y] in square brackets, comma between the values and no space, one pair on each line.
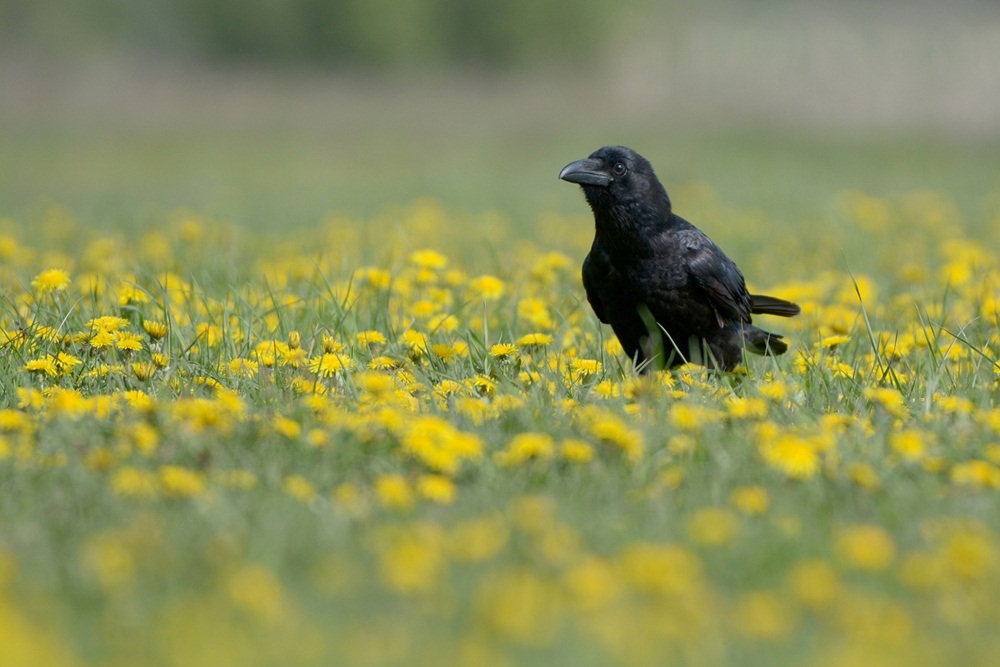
[394,492]
[712,527]
[258,591]
[437,488]
[489,288]
[524,447]
[50,281]
[179,482]
[814,583]
[750,500]
[300,488]
[866,547]
[794,454]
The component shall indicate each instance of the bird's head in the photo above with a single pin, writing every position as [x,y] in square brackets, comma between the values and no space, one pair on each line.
[616,176]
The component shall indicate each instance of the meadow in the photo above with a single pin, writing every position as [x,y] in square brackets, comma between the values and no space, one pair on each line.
[400,437]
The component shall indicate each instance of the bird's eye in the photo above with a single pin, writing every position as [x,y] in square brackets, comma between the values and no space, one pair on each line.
[619,169]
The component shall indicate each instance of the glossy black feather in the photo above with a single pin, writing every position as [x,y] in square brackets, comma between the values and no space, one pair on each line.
[669,293]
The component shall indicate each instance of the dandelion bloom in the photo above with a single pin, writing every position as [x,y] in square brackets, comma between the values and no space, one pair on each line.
[180,482]
[750,500]
[813,583]
[394,492]
[488,287]
[503,350]
[370,338]
[300,488]
[437,488]
[712,527]
[866,547]
[534,340]
[50,280]
[763,615]
[525,447]
[45,365]
[330,364]
[793,454]
[155,330]
[578,451]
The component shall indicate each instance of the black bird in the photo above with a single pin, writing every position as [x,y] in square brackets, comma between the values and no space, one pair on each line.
[670,294]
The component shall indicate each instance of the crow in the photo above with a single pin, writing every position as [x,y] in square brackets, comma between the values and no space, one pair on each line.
[669,293]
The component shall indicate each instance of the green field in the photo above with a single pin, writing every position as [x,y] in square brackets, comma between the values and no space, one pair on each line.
[326,393]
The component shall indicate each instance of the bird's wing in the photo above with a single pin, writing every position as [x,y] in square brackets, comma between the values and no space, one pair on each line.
[721,279]
[595,269]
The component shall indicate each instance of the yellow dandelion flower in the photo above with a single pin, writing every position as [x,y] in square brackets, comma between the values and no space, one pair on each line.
[374,277]
[143,370]
[45,365]
[443,351]
[102,339]
[483,385]
[525,447]
[428,259]
[286,427]
[477,540]
[443,322]
[910,444]
[179,482]
[750,500]
[300,488]
[155,330]
[581,369]
[616,432]
[394,492]
[977,474]
[577,451]
[763,615]
[50,281]
[257,590]
[370,338]
[534,340]
[831,342]
[126,340]
[866,547]
[415,341]
[889,399]
[489,288]
[436,488]
[607,389]
[863,475]
[411,560]
[209,334]
[793,454]
[384,364]
[535,312]
[129,482]
[293,357]
[331,344]
[712,527]
[107,323]
[330,364]
[503,351]
[241,368]
[439,445]
[813,583]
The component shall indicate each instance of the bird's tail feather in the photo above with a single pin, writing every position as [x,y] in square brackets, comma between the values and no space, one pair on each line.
[769,305]
[759,341]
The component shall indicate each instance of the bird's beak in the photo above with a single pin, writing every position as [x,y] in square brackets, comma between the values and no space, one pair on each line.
[585,172]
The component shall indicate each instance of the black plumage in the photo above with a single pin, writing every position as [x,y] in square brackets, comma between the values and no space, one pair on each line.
[669,293]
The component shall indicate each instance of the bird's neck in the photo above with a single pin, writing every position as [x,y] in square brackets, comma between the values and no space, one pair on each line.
[627,229]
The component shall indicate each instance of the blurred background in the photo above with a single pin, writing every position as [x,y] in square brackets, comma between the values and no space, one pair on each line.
[277,113]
